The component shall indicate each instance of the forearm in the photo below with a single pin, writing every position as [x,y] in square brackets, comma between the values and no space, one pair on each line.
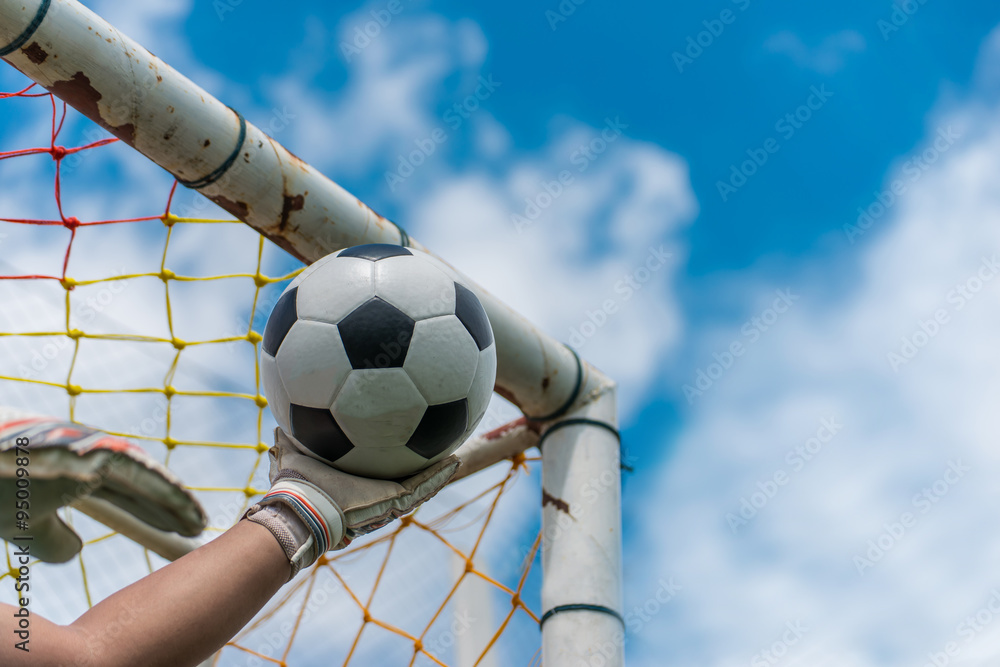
[184,612]
[179,615]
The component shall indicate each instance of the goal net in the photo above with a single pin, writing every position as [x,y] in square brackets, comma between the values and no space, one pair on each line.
[137,307]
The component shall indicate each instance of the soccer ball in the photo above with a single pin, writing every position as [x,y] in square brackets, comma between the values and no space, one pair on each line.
[378,360]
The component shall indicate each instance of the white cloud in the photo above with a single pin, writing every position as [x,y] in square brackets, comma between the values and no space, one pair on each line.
[623,209]
[145,22]
[902,430]
[114,182]
[388,100]
[630,196]
[827,57]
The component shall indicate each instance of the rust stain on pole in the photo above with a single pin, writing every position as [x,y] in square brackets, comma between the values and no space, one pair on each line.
[138,98]
[35,53]
[285,245]
[290,203]
[237,208]
[506,428]
[79,94]
[559,504]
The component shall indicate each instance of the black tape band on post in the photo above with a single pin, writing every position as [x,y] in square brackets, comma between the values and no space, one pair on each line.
[404,238]
[224,167]
[23,38]
[580,607]
[575,394]
[580,421]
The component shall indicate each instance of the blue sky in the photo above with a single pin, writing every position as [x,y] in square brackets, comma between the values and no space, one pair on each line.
[619,61]
[776,265]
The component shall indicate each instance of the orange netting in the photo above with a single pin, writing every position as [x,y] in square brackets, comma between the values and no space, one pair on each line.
[459,529]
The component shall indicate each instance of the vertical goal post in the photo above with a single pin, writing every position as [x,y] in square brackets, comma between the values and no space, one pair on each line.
[569,406]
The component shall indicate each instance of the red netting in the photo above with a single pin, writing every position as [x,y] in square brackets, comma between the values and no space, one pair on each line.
[396,598]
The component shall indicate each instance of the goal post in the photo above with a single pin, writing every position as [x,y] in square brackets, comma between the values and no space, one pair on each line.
[582,622]
[211,148]
[477,454]
[569,406]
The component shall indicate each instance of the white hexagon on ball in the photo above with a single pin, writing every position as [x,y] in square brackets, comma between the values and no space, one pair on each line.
[377,360]
[415,286]
[442,359]
[312,364]
[381,462]
[274,390]
[334,289]
[481,391]
[379,407]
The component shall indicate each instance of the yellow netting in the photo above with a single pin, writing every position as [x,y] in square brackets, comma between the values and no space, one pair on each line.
[451,529]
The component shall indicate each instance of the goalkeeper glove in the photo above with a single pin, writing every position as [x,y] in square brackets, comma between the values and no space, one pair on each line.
[313,508]
[47,463]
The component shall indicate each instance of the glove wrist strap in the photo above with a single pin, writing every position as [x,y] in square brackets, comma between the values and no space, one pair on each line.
[290,532]
[301,506]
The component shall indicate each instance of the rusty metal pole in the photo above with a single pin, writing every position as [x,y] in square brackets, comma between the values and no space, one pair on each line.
[582,621]
[210,148]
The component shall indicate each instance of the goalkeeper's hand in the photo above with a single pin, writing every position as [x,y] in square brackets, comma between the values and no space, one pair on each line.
[46,464]
[313,508]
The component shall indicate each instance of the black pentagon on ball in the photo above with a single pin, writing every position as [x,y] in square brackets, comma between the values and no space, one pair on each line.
[439,428]
[282,318]
[375,251]
[473,316]
[318,430]
[376,335]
